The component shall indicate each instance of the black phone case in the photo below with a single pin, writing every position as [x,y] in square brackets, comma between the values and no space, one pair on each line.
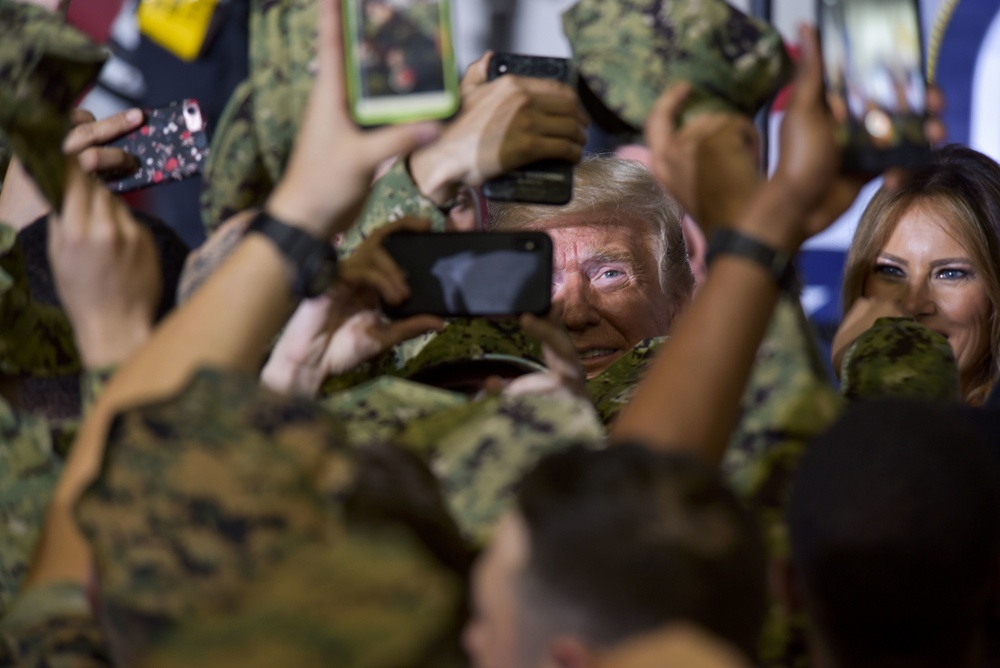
[170,146]
[473,273]
[546,181]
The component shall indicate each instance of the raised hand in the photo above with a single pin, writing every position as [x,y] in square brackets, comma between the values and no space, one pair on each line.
[331,166]
[106,270]
[504,124]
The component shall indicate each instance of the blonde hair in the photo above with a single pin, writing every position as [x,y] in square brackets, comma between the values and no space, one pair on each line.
[623,189]
[965,185]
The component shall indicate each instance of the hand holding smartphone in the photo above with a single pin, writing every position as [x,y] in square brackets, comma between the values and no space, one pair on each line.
[400,60]
[545,181]
[874,60]
[462,274]
[170,146]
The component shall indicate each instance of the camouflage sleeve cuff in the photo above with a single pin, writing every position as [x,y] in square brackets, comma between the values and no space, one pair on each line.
[52,626]
[393,197]
[35,339]
[92,382]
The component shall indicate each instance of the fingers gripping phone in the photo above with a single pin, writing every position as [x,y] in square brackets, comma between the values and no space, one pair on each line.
[170,146]
[458,274]
[874,60]
[400,60]
[545,181]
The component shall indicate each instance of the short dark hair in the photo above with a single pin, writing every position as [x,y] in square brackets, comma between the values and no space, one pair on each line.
[894,521]
[626,539]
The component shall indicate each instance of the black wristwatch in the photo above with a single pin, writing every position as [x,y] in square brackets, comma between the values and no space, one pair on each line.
[314,260]
[779,264]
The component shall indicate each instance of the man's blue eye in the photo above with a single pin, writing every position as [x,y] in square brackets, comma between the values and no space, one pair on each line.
[612,273]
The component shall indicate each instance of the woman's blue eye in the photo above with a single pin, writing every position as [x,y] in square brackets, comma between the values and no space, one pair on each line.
[953,274]
[888,270]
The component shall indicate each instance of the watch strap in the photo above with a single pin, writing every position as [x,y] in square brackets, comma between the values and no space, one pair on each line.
[779,264]
[313,260]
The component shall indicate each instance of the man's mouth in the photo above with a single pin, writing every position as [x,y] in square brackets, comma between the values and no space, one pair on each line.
[596,352]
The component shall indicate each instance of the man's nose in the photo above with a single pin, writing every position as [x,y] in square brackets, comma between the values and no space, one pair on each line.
[573,296]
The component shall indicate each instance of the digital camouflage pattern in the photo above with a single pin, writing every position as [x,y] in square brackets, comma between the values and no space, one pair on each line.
[789,400]
[629,51]
[200,493]
[44,66]
[899,357]
[30,464]
[52,626]
[371,600]
[35,339]
[32,452]
[611,389]
[477,448]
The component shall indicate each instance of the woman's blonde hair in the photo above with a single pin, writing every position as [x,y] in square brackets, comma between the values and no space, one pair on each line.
[964,185]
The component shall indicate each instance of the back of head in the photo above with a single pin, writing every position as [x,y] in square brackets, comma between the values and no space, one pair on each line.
[625,540]
[894,522]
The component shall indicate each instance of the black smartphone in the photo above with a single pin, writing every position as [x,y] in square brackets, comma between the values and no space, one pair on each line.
[473,273]
[170,146]
[874,59]
[400,60]
[546,181]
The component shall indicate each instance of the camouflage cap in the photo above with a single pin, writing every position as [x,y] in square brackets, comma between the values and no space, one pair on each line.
[611,389]
[629,51]
[371,600]
[44,66]
[482,346]
[201,492]
[898,357]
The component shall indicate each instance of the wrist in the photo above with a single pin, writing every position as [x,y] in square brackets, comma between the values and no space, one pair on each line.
[293,208]
[434,174]
[110,341]
[774,219]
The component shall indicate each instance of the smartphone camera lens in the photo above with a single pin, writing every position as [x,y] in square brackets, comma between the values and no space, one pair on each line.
[529,245]
[503,68]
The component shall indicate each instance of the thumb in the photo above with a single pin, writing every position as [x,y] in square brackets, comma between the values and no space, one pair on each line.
[809,75]
[477,72]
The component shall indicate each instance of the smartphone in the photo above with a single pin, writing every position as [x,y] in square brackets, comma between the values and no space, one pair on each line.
[874,60]
[459,274]
[400,60]
[170,146]
[546,181]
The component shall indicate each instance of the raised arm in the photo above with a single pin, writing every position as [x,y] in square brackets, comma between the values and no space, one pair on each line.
[231,319]
[690,398]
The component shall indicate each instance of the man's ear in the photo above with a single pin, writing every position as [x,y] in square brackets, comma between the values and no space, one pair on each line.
[784,583]
[566,651]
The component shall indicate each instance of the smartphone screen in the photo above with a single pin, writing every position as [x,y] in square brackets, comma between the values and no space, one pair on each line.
[473,273]
[400,59]
[873,54]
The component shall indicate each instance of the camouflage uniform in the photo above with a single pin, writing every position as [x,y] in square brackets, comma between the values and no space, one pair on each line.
[52,626]
[368,601]
[629,51]
[44,66]
[477,447]
[201,492]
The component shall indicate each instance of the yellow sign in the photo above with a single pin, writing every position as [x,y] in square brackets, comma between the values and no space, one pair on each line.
[179,26]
